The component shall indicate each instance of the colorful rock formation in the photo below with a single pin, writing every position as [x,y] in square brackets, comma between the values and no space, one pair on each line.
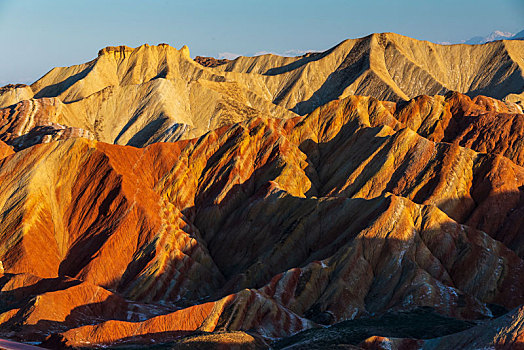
[269,223]
[330,217]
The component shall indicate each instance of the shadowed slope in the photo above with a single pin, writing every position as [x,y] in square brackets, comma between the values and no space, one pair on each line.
[415,330]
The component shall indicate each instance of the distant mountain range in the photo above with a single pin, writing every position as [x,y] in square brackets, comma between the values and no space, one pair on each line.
[493,36]
[496,35]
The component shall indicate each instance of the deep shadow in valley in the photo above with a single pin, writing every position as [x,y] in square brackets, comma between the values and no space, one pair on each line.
[421,323]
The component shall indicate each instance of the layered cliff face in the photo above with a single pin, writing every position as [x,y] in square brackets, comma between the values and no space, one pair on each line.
[363,213]
[271,226]
[36,121]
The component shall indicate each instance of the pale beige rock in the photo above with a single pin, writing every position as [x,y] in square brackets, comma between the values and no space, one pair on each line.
[387,66]
[158,93]
[11,94]
[149,94]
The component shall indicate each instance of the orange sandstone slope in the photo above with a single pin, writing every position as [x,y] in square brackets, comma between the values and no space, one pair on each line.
[5,150]
[270,226]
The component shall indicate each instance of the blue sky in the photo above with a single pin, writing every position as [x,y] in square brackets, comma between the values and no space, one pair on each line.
[37,35]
